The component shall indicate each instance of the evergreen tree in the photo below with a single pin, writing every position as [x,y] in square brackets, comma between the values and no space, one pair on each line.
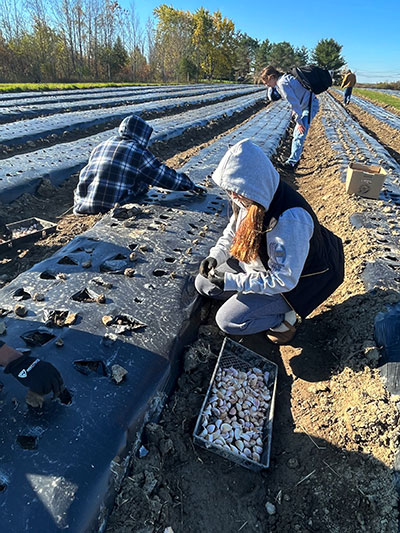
[262,56]
[301,56]
[119,58]
[282,56]
[327,55]
[246,50]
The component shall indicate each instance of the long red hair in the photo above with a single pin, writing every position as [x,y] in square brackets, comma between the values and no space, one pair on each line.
[248,235]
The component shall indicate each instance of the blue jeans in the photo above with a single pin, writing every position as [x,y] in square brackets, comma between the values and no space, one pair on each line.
[243,314]
[347,94]
[299,138]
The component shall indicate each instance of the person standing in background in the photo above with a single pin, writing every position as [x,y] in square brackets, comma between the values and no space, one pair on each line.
[348,83]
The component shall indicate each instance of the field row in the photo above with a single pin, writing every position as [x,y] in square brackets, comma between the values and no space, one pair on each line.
[125,285]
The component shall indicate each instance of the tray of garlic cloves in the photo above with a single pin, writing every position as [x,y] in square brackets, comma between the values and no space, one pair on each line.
[235,420]
[27,230]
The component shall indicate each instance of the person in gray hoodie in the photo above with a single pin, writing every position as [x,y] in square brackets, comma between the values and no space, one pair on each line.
[274,261]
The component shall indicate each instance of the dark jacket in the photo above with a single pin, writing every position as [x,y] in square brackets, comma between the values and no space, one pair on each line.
[323,270]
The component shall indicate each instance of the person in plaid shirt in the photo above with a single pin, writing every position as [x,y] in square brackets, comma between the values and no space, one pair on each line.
[122,168]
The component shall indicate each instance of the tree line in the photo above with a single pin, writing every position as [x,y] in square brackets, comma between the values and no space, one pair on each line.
[99,40]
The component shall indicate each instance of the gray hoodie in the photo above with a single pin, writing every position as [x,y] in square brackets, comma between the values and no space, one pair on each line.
[298,97]
[247,171]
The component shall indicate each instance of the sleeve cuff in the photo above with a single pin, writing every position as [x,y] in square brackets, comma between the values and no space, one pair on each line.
[230,282]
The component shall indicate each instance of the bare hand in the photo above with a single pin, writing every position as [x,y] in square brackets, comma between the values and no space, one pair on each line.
[301,128]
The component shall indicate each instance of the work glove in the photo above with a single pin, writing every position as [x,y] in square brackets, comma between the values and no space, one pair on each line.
[206,265]
[199,190]
[37,375]
[217,278]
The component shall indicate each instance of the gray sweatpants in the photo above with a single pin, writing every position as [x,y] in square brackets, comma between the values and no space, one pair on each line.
[243,314]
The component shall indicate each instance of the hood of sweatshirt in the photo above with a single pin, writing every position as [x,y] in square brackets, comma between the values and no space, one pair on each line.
[247,171]
[136,129]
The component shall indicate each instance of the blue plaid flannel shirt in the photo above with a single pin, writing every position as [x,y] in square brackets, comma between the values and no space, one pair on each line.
[121,167]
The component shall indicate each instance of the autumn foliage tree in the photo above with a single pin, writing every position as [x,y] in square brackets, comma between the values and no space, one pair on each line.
[100,40]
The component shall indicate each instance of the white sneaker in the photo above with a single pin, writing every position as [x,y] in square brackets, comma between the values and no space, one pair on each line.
[290,318]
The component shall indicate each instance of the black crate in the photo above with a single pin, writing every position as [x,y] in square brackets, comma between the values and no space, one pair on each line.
[237,356]
[44,227]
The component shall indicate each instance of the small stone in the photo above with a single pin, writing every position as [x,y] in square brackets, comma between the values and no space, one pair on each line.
[154,433]
[286,497]
[3,328]
[59,343]
[71,318]
[129,272]
[38,297]
[109,339]
[107,320]
[293,463]
[118,373]
[132,256]
[191,360]
[62,276]
[20,310]
[87,264]
[270,508]
[166,446]
[372,354]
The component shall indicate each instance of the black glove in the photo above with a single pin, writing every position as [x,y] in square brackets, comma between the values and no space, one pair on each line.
[206,265]
[39,376]
[217,279]
[199,190]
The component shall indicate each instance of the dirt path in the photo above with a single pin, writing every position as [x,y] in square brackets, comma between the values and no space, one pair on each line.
[335,429]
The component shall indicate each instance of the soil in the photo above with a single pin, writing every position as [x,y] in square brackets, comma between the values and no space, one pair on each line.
[335,428]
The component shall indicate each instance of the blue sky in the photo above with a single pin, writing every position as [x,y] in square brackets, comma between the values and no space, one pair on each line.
[369,30]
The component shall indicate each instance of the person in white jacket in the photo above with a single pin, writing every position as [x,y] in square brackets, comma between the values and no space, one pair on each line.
[274,260]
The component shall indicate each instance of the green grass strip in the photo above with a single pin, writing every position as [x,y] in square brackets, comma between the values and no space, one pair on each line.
[380,98]
[20,87]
